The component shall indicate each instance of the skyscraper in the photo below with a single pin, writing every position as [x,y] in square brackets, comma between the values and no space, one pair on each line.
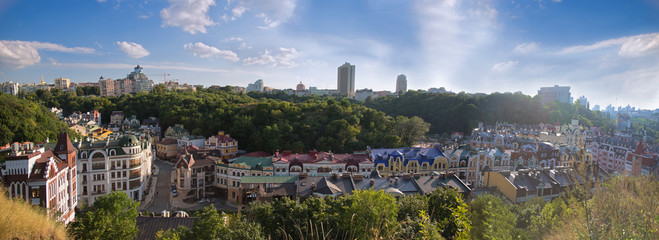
[401,84]
[346,79]
[555,93]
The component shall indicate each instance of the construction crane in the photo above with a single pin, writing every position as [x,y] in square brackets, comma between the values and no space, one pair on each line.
[164,76]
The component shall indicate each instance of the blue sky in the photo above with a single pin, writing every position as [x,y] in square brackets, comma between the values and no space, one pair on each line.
[605,50]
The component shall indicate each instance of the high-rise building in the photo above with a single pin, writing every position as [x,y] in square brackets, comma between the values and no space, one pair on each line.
[555,93]
[256,86]
[583,101]
[134,82]
[346,79]
[62,83]
[401,84]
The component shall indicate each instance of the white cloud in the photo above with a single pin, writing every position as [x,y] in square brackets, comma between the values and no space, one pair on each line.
[450,32]
[244,46]
[19,54]
[238,11]
[202,50]
[504,66]
[237,39]
[526,48]
[284,58]
[133,50]
[191,15]
[630,46]
[272,13]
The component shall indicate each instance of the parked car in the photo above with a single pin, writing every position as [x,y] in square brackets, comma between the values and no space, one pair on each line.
[173,186]
[174,193]
[204,200]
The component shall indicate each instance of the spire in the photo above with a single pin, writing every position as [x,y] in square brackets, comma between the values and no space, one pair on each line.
[42,82]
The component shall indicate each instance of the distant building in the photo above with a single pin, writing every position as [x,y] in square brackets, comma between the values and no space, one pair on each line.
[27,87]
[401,84]
[583,101]
[346,79]
[134,82]
[363,94]
[256,86]
[623,122]
[300,87]
[44,177]
[62,83]
[116,120]
[555,93]
[227,146]
[195,175]
[9,88]
[596,107]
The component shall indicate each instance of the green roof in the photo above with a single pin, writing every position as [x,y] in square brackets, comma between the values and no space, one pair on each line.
[268,179]
[253,162]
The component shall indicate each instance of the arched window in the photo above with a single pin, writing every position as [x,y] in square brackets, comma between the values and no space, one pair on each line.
[296,169]
[83,155]
[113,152]
[351,169]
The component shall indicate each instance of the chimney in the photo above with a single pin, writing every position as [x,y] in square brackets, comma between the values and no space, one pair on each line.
[372,182]
[396,181]
[314,187]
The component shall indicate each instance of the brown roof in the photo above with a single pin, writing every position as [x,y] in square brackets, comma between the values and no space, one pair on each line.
[64,144]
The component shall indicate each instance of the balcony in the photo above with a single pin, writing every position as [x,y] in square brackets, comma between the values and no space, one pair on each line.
[135,164]
[135,174]
[134,184]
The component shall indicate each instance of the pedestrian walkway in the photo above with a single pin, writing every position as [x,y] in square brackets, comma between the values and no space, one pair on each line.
[148,199]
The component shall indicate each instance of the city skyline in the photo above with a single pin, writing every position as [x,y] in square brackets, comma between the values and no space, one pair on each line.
[610,53]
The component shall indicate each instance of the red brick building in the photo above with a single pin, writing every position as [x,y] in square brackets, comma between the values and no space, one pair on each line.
[44,177]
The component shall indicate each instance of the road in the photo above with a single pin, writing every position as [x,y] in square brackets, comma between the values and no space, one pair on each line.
[163,186]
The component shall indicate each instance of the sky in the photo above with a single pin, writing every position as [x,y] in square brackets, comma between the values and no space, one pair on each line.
[607,51]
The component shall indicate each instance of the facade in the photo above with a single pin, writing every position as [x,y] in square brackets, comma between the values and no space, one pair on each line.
[584,101]
[555,93]
[641,163]
[166,149]
[116,120]
[229,174]
[122,164]
[317,163]
[300,87]
[10,88]
[401,84]
[413,160]
[195,175]
[227,146]
[44,177]
[346,79]
[62,83]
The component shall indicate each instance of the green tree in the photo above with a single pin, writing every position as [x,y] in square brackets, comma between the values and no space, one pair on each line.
[411,130]
[208,225]
[368,214]
[112,216]
[492,218]
[447,208]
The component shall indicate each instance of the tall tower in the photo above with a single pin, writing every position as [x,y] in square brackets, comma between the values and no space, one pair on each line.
[401,84]
[346,79]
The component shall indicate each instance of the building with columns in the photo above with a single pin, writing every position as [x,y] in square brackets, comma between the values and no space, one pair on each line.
[119,164]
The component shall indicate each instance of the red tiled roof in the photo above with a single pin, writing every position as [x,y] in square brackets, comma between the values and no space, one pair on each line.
[223,138]
[313,157]
[256,154]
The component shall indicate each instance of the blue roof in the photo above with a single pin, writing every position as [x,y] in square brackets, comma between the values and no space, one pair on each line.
[420,155]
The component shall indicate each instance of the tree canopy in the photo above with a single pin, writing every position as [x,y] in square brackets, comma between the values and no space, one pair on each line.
[112,216]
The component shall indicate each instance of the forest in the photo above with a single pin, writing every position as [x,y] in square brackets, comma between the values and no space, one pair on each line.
[262,124]
[462,112]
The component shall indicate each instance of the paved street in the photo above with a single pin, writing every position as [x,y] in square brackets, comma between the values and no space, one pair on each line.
[163,186]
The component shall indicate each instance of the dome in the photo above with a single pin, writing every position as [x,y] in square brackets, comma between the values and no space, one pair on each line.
[129,140]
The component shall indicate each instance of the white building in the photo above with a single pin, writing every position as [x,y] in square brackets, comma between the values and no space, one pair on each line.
[122,164]
[10,88]
[346,79]
[256,86]
[401,84]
